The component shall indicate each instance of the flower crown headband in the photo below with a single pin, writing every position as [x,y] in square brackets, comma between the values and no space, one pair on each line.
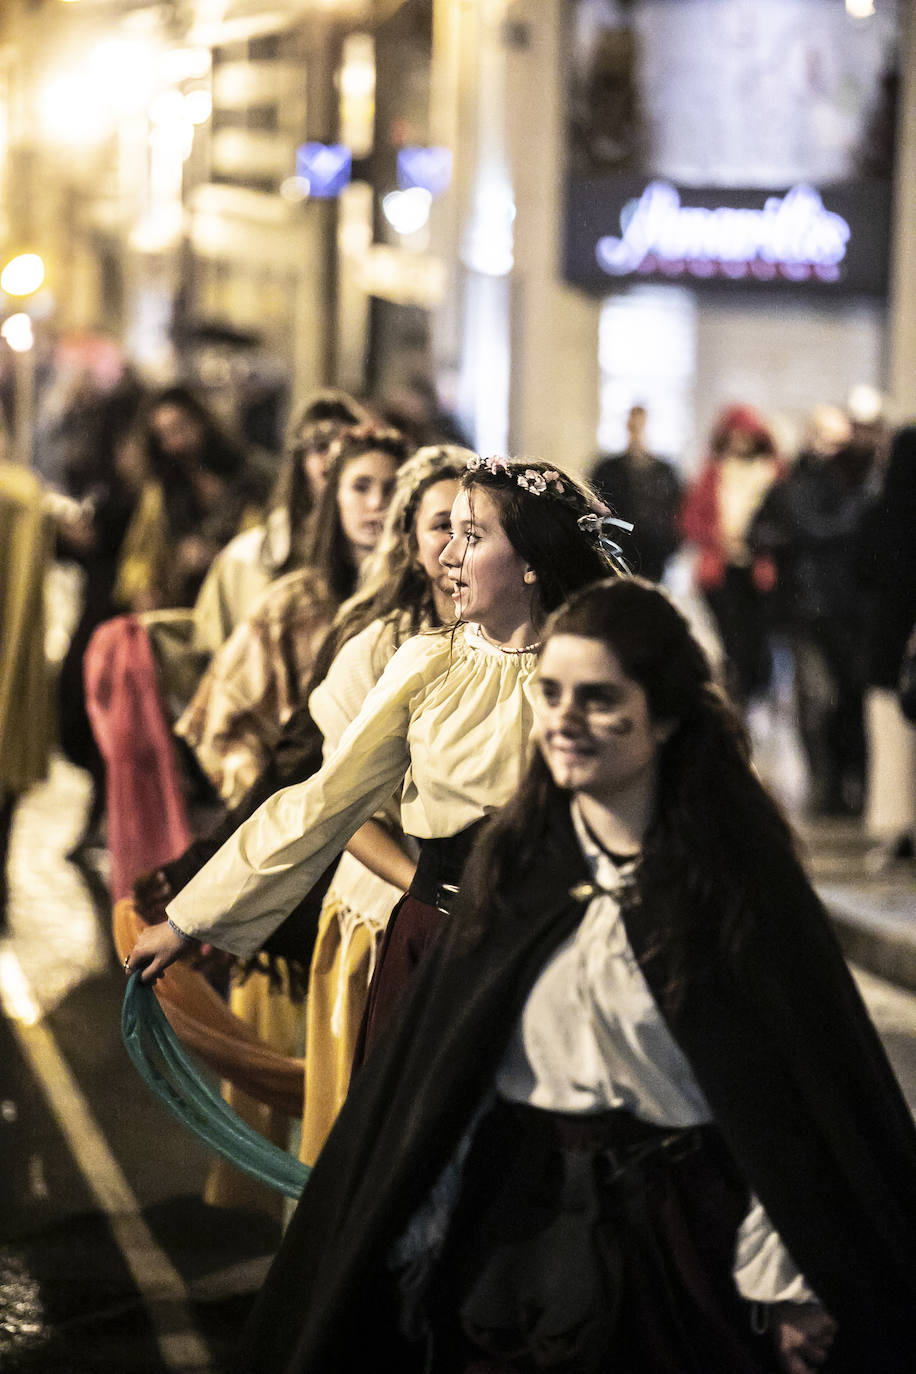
[367,432]
[537,483]
[550,483]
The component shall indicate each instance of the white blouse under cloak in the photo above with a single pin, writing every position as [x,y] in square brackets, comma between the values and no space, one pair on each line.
[591,1038]
[447,724]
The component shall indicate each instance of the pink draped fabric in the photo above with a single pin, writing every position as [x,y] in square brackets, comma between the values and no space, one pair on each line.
[147,816]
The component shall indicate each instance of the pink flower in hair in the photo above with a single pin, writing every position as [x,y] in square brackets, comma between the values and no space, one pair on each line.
[533,481]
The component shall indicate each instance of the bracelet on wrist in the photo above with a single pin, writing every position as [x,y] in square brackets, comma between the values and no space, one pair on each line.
[760,1317]
[183,935]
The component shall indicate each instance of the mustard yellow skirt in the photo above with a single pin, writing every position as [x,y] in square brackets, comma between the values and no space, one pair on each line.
[353,918]
[278,1022]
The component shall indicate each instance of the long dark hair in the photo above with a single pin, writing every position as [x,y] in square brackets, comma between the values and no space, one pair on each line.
[716,836]
[325,547]
[218,453]
[541,521]
[393,586]
[313,428]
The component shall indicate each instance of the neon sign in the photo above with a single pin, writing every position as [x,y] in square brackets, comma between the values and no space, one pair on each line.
[794,236]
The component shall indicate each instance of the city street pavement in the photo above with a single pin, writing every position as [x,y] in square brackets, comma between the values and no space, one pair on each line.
[872,902]
[109,1259]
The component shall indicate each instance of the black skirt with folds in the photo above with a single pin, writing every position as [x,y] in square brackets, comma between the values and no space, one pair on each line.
[593,1245]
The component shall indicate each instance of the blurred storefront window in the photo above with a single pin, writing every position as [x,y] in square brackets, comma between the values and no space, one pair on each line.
[738,153]
[731,93]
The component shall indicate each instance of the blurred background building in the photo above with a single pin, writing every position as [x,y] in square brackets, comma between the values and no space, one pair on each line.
[530,213]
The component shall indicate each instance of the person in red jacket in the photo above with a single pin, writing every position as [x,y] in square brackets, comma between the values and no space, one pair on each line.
[741,466]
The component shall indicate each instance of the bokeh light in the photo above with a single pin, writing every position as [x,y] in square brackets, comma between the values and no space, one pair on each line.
[22,275]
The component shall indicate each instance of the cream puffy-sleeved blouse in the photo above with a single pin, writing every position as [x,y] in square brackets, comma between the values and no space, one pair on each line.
[235,582]
[447,723]
[360,896]
[356,668]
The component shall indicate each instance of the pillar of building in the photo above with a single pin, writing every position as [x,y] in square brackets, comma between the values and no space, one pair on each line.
[524,345]
[554,401]
[902,313]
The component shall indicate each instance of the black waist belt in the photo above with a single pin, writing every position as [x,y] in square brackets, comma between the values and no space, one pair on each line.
[440,866]
[615,1134]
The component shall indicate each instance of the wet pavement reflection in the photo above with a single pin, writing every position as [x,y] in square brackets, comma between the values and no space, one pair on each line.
[109,1258]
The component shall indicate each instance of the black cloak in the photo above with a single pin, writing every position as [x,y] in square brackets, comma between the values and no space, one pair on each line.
[778,1039]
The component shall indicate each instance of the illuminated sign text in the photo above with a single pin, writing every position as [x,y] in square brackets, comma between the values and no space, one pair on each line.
[794,236]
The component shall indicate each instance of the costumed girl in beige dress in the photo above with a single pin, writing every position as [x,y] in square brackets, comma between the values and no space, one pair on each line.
[252,686]
[406,590]
[241,573]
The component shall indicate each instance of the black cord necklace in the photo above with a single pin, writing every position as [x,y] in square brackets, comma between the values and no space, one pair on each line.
[618,860]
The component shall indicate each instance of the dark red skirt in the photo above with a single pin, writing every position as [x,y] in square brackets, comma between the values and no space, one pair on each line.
[411,929]
[593,1245]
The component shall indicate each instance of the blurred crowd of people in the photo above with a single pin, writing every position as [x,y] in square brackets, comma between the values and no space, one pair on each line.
[811,552]
[804,558]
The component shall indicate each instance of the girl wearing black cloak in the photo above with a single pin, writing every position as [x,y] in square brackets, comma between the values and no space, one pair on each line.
[633,1115]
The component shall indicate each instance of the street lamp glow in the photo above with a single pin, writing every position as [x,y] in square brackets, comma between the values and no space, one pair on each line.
[407,211]
[294,189]
[123,73]
[198,106]
[18,333]
[71,113]
[22,275]
[860,9]
[166,108]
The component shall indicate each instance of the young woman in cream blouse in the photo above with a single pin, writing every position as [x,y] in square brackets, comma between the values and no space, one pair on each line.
[255,681]
[257,676]
[446,727]
[405,590]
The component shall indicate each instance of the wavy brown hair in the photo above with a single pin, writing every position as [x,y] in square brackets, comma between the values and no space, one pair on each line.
[313,428]
[394,587]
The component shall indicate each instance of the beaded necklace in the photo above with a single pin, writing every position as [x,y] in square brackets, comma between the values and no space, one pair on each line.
[504,648]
